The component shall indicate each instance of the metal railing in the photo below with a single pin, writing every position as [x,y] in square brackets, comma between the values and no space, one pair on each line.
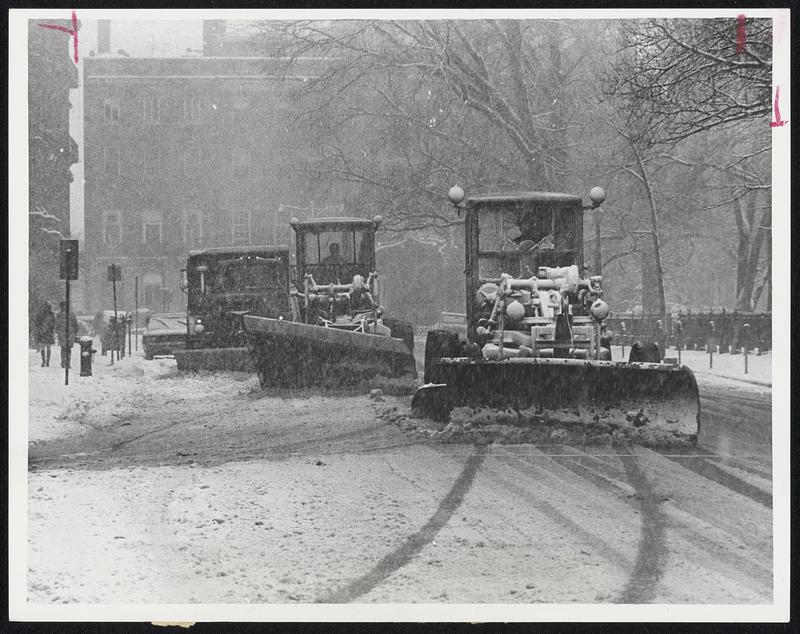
[724,331]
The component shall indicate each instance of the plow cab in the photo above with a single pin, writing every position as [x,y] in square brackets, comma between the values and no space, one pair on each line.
[535,331]
[338,334]
[223,284]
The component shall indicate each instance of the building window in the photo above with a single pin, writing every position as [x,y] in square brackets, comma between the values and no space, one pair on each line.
[152,109]
[191,108]
[151,161]
[241,162]
[111,111]
[152,226]
[193,227]
[112,228]
[111,161]
[152,284]
[241,227]
[189,161]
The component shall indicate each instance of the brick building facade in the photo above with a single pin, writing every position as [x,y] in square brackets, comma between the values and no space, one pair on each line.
[51,75]
[181,153]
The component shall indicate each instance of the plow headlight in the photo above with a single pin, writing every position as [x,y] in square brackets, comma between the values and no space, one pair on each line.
[599,310]
[456,194]
[515,311]
[597,195]
[199,328]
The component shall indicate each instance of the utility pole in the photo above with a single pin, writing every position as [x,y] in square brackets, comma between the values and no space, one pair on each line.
[114,275]
[116,321]
[68,252]
[136,310]
[66,337]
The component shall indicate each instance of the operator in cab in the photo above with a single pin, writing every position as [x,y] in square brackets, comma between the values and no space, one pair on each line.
[334,258]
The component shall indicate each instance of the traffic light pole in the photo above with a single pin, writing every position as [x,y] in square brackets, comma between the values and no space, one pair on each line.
[136,310]
[66,339]
[116,325]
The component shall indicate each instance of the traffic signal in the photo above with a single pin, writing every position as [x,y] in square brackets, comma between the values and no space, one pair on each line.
[68,251]
[114,273]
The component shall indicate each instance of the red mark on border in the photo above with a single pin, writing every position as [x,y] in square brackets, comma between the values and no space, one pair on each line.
[73,32]
[778,121]
[741,33]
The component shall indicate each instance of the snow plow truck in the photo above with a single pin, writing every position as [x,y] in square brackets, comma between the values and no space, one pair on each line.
[338,334]
[222,284]
[535,340]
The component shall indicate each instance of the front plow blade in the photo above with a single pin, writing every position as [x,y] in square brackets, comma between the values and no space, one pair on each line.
[214,359]
[568,391]
[291,354]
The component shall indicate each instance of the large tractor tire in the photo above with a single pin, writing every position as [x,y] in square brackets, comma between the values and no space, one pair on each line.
[644,353]
[401,330]
[438,344]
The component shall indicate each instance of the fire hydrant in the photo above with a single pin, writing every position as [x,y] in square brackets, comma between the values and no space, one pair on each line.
[86,355]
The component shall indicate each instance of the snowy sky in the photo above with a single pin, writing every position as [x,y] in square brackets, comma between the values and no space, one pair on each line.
[142,38]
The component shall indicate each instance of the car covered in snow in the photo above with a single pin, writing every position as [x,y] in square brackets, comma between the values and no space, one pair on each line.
[165,333]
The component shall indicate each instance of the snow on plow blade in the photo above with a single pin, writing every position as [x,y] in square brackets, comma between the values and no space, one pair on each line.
[568,391]
[235,359]
[291,354]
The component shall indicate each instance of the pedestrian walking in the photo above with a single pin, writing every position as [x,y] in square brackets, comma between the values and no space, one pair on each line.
[66,334]
[45,327]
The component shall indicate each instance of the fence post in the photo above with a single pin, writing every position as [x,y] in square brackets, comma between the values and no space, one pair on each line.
[745,343]
[766,330]
[723,341]
[710,343]
[735,336]
[678,335]
[660,337]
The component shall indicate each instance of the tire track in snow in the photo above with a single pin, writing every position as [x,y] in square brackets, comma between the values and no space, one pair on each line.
[651,556]
[416,542]
[701,465]
[615,480]
[677,516]
[549,510]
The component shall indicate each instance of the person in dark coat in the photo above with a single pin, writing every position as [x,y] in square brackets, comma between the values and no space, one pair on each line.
[45,326]
[66,335]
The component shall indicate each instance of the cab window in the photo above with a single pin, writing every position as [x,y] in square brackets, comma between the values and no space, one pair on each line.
[343,246]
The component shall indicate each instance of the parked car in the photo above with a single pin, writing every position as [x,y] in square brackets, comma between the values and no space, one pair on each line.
[165,333]
[102,328]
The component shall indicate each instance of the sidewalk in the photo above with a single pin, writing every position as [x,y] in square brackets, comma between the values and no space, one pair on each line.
[729,366]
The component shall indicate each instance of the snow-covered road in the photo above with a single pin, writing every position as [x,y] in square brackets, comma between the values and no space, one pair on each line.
[148,486]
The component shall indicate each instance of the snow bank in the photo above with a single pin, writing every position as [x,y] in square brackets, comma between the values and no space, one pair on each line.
[131,387]
[729,366]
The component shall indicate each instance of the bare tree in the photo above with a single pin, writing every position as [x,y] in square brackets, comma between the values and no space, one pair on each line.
[689,92]
[685,76]
[406,109]
[736,169]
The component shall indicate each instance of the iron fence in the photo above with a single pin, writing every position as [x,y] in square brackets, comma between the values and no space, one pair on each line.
[724,332]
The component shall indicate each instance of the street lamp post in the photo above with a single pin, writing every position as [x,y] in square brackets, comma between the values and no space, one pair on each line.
[597,196]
